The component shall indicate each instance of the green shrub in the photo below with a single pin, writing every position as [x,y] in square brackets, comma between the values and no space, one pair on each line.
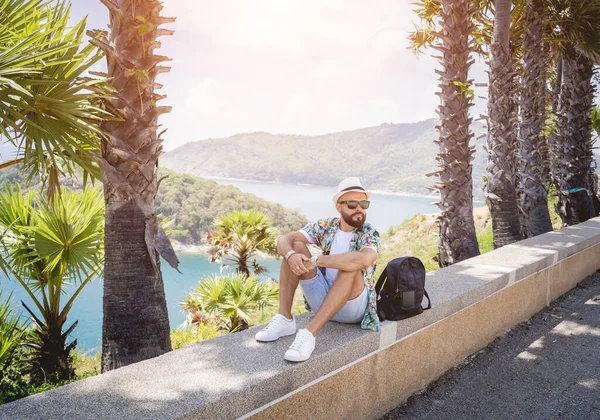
[230,302]
[18,380]
[10,331]
[485,239]
[192,334]
[15,382]
[85,364]
[46,245]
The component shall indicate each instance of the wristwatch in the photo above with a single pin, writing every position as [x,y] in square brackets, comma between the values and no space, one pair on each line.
[314,259]
[289,254]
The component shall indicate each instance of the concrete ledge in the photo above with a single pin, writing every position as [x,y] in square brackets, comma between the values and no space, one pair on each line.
[234,376]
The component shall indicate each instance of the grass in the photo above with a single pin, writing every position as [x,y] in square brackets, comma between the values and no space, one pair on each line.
[86,364]
[182,337]
[485,239]
[418,236]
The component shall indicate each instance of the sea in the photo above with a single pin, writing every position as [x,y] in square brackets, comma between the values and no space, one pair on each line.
[387,210]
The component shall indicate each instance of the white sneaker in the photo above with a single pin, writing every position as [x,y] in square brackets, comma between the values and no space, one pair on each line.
[279,326]
[302,347]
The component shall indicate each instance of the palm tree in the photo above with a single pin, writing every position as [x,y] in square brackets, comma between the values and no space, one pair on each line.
[500,186]
[240,235]
[533,147]
[483,35]
[45,246]
[576,31]
[49,108]
[232,298]
[572,149]
[448,29]
[136,323]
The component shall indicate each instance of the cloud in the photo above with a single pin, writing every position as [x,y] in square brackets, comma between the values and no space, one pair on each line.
[289,28]
[204,99]
[307,67]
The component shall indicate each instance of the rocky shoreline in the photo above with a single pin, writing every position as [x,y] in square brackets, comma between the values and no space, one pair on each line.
[196,249]
[200,249]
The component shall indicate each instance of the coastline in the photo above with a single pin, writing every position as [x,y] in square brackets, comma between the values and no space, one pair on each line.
[194,249]
[256,181]
[201,249]
[381,192]
[406,194]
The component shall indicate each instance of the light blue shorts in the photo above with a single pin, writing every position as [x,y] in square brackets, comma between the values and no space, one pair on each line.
[316,289]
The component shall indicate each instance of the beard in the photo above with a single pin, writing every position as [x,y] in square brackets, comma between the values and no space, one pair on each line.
[356,220]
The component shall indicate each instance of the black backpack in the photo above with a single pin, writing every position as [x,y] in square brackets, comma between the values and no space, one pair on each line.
[400,289]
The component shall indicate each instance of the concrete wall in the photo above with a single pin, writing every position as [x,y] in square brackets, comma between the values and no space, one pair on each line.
[234,376]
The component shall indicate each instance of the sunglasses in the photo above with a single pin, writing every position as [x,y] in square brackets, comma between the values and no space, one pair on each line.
[352,204]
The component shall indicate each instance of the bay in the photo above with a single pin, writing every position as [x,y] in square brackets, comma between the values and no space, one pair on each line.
[87,308]
[386,210]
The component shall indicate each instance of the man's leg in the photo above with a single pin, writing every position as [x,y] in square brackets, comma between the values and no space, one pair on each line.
[288,281]
[283,324]
[348,285]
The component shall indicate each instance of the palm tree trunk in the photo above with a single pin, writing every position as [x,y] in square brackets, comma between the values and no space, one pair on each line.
[557,84]
[572,150]
[457,229]
[243,267]
[500,188]
[136,323]
[533,148]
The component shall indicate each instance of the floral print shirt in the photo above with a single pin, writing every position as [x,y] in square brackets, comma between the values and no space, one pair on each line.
[323,231]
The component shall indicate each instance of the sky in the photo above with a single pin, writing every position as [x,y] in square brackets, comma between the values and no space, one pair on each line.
[288,67]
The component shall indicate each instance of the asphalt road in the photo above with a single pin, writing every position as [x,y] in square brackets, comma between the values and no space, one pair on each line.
[545,368]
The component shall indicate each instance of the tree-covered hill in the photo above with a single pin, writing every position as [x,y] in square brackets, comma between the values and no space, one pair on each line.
[191,203]
[390,157]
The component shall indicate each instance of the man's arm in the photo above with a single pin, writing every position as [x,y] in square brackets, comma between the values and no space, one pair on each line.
[286,242]
[349,261]
[298,262]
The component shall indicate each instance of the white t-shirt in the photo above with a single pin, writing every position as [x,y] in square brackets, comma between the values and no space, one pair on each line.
[340,244]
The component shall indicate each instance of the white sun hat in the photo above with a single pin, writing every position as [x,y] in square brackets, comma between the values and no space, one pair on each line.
[349,185]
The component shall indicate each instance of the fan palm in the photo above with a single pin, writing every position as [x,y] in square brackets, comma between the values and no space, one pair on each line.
[46,246]
[49,107]
[448,29]
[130,151]
[240,235]
[233,298]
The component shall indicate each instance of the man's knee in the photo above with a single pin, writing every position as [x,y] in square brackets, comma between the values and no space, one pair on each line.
[350,276]
[310,275]
[352,282]
[301,248]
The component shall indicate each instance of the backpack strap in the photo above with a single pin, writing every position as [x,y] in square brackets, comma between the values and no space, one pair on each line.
[380,282]
[428,300]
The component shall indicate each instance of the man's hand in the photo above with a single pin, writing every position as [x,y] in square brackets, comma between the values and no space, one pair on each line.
[300,264]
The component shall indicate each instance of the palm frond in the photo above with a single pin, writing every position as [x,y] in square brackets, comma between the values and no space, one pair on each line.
[576,23]
[240,235]
[235,298]
[10,330]
[44,245]
[49,107]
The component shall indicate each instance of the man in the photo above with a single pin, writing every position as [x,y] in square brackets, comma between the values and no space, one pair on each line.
[338,285]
